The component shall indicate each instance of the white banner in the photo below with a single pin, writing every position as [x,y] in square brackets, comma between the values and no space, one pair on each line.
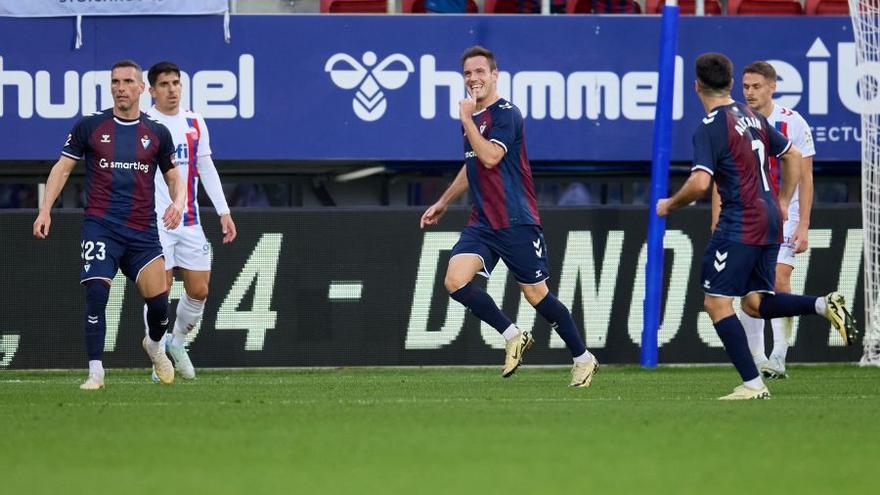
[59,8]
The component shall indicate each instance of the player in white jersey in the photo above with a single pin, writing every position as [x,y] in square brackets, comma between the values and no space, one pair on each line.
[186,248]
[759,84]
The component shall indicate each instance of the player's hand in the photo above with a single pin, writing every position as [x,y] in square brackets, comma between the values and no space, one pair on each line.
[228,228]
[663,207]
[432,215]
[801,238]
[172,216]
[783,206]
[467,107]
[41,225]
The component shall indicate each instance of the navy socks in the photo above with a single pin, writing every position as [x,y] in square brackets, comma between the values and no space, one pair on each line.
[480,303]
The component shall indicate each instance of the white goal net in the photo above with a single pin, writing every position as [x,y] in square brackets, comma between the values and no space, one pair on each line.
[865,15]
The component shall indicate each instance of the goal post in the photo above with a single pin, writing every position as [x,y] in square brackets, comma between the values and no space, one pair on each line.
[865,16]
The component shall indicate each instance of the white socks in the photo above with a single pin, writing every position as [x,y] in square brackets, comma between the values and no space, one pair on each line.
[510,333]
[189,313]
[584,358]
[755,383]
[781,330]
[96,368]
[754,328]
[821,306]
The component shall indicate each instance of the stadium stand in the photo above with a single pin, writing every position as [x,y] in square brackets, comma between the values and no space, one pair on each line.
[602,7]
[354,6]
[765,7]
[418,7]
[685,7]
[827,7]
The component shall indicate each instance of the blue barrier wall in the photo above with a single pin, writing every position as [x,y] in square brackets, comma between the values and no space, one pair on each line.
[386,87]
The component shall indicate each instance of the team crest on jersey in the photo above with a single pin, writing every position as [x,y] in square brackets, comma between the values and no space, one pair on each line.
[146,141]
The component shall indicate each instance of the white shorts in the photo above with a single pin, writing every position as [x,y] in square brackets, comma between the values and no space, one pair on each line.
[786,249]
[186,247]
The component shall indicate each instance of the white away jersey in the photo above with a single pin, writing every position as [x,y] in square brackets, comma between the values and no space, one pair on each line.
[795,128]
[191,140]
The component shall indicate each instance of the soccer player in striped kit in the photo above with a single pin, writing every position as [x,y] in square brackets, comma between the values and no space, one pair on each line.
[122,148]
[185,247]
[732,146]
[504,222]
[759,84]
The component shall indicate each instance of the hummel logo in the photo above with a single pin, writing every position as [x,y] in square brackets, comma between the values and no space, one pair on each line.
[710,118]
[146,141]
[706,283]
[105,138]
[482,128]
[505,106]
[538,273]
[87,266]
[538,249]
[720,261]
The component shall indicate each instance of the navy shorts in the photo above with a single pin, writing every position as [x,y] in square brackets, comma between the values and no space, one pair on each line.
[107,247]
[522,248]
[734,269]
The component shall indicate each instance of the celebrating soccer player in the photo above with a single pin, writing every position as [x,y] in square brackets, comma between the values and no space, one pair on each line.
[122,148]
[732,146]
[504,221]
[186,247]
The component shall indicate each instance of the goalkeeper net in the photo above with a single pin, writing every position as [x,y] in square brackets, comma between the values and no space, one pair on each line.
[865,15]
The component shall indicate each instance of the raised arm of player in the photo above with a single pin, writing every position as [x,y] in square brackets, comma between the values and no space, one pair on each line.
[57,178]
[211,182]
[791,174]
[488,152]
[695,188]
[174,212]
[433,214]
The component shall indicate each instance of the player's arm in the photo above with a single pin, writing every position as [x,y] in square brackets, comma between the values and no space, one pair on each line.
[716,206]
[791,173]
[177,190]
[488,152]
[57,179]
[212,185]
[454,191]
[695,188]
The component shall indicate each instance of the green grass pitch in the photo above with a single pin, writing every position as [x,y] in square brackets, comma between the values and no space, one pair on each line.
[439,430]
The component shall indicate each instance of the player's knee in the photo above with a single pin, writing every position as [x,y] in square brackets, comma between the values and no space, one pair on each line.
[97,295]
[751,306]
[198,293]
[453,282]
[534,294]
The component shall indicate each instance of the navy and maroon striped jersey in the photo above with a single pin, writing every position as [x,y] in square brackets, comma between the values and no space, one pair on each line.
[504,195]
[121,159]
[734,144]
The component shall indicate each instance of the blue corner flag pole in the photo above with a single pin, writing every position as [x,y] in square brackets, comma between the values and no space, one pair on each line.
[659,185]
